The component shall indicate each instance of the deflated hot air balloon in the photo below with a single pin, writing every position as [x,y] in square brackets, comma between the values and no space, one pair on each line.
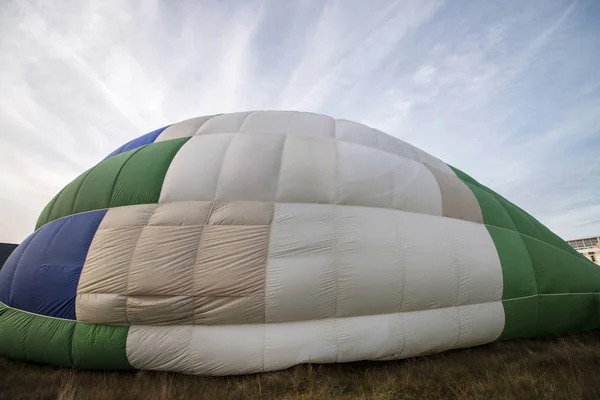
[255,241]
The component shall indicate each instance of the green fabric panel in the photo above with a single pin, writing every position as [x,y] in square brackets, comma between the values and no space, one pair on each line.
[521,317]
[561,314]
[66,199]
[551,238]
[557,271]
[35,338]
[96,191]
[45,215]
[49,341]
[517,270]
[100,347]
[520,218]
[463,177]
[493,212]
[14,326]
[142,177]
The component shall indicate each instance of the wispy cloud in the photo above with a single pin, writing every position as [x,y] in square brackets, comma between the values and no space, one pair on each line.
[507,91]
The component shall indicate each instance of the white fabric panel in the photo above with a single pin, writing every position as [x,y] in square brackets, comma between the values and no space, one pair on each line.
[250,168]
[396,146]
[194,171]
[241,213]
[430,265]
[301,268]
[353,132]
[186,128]
[289,123]
[433,161]
[163,261]
[160,348]
[250,348]
[106,265]
[307,171]
[480,323]
[292,343]
[364,176]
[120,217]
[479,268]
[224,123]
[370,269]
[101,308]
[181,213]
[227,349]
[374,337]
[160,310]
[430,331]
[415,189]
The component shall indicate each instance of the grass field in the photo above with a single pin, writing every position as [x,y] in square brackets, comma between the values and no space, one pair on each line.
[562,368]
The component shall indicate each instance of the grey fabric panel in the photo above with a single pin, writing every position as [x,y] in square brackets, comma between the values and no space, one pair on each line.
[250,169]
[414,188]
[185,128]
[160,310]
[101,308]
[241,213]
[307,171]
[397,146]
[108,260]
[213,310]
[194,171]
[458,201]
[164,259]
[181,213]
[231,261]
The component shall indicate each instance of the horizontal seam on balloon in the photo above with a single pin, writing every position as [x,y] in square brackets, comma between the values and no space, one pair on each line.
[541,241]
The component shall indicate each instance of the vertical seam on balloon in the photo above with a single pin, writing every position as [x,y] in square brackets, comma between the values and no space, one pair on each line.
[212,206]
[87,175]
[452,239]
[10,287]
[244,120]
[137,242]
[337,253]
[118,174]
[402,284]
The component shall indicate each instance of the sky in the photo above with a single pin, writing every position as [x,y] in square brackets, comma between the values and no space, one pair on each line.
[507,91]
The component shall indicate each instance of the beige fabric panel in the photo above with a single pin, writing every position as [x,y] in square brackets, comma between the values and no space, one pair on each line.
[458,201]
[223,310]
[185,128]
[431,161]
[160,310]
[181,213]
[231,261]
[301,269]
[102,308]
[163,261]
[105,268]
[250,168]
[241,213]
[127,216]
[195,169]
[308,171]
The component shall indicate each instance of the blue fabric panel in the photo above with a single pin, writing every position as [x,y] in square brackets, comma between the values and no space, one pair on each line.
[138,142]
[47,273]
[10,266]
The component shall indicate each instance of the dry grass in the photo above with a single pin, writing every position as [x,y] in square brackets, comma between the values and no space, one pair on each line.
[563,368]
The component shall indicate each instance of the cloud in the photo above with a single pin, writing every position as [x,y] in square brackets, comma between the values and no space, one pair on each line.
[507,91]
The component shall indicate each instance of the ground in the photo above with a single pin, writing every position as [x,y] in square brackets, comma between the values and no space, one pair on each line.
[558,368]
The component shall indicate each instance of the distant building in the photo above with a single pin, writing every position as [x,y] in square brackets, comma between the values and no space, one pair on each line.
[5,250]
[588,246]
